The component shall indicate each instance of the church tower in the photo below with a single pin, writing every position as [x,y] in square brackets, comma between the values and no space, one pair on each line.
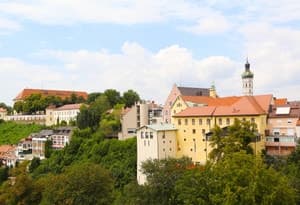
[247,78]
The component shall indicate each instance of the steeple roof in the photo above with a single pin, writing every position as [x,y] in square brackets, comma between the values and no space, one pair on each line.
[247,73]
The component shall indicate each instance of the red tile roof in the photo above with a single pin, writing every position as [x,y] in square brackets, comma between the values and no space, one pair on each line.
[69,107]
[210,101]
[280,101]
[245,105]
[63,94]
[298,123]
[2,109]
[196,111]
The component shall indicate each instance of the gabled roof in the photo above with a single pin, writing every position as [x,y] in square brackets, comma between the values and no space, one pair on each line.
[69,107]
[63,94]
[189,91]
[211,101]
[245,105]
[196,111]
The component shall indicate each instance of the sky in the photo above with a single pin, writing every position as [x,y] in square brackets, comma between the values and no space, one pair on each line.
[149,45]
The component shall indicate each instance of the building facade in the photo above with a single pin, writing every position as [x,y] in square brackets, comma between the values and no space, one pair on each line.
[66,113]
[283,129]
[141,114]
[154,142]
[177,91]
[61,137]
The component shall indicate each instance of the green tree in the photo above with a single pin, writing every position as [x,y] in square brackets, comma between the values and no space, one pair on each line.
[35,162]
[91,116]
[161,179]
[113,96]
[85,183]
[234,138]
[48,148]
[130,97]
[239,178]
[92,97]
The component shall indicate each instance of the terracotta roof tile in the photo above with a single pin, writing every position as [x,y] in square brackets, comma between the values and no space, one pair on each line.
[230,106]
[298,123]
[280,101]
[196,111]
[210,101]
[59,93]
[69,107]
[2,109]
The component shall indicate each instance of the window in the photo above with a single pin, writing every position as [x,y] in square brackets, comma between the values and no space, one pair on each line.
[228,121]
[151,135]
[170,141]
[147,136]
[208,121]
[200,121]
[186,121]
[244,119]
[253,120]
[142,135]
[194,131]
[203,131]
[179,121]
[178,104]
[174,111]
[164,150]
[220,121]
[193,121]
[163,136]
[164,141]
[184,139]
[289,121]
[170,149]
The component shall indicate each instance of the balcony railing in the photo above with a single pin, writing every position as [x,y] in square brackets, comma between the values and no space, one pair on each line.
[282,141]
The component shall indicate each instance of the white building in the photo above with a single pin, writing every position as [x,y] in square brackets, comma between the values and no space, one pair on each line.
[157,141]
[39,141]
[65,113]
[61,137]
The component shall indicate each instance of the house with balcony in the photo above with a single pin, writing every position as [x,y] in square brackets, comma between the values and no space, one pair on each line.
[24,149]
[61,137]
[283,129]
[141,114]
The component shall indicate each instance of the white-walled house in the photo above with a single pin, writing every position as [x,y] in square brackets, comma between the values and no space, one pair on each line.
[157,141]
[65,113]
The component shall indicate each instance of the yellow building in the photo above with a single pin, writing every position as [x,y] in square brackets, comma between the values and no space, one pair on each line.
[195,116]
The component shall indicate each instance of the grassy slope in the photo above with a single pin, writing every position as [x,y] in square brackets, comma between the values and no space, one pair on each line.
[11,132]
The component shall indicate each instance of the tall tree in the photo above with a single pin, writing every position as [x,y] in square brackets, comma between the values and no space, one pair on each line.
[130,97]
[113,96]
[85,183]
[234,138]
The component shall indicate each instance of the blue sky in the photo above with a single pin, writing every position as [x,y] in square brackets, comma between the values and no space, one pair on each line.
[149,45]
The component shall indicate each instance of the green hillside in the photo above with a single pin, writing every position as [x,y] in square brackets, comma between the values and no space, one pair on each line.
[11,132]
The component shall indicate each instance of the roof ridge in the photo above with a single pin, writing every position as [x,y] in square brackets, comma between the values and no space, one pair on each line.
[255,104]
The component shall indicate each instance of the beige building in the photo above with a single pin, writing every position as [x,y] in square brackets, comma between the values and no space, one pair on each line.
[154,142]
[61,137]
[39,141]
[3,113]
[65,113]
[141,114]
[283,129]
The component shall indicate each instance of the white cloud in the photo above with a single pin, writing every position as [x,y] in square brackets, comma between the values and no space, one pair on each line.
[7,26]
[151,74]
[209,25]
